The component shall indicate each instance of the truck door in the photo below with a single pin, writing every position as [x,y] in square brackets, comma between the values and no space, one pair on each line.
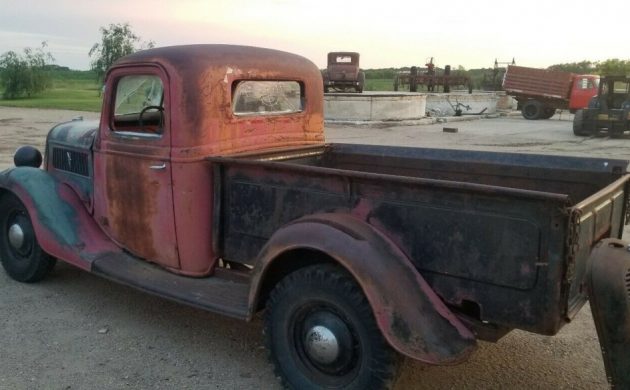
[584,88]
[132,165]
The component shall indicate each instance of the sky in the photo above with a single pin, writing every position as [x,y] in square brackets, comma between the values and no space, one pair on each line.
[400,33]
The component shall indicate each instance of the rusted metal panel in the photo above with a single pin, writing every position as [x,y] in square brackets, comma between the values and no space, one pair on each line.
[411,316]
[531,81]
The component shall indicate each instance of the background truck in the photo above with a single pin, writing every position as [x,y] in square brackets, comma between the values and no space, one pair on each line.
[343,72]
[207,181]
[540,92]
[608,112]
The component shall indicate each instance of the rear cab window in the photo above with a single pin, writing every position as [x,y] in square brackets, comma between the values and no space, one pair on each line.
[139,106]
[267,97]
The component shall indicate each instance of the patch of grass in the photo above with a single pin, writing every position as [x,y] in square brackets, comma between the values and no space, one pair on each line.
[70,90]
[379,85]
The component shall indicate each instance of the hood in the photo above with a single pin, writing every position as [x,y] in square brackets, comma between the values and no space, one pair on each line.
[77,134]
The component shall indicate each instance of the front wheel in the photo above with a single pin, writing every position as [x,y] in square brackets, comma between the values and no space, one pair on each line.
[578,124]
[321,333]
[22,257]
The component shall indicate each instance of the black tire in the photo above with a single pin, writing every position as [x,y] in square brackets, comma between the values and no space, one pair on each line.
[548,112]
[578,124]
[22,257]
[311,302]
[532,110]
[361,81]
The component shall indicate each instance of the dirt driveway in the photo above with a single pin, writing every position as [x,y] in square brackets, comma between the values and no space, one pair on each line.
[76,331]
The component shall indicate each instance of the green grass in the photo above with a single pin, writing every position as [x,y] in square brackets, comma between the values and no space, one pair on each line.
[379,85]
[70,90]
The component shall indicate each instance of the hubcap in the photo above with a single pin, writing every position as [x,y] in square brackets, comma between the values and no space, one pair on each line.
[321,345]
[16,236]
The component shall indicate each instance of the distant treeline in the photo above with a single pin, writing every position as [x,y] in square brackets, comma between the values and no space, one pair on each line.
[490,78]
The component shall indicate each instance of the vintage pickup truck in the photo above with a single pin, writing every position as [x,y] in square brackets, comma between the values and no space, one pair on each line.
[207,181]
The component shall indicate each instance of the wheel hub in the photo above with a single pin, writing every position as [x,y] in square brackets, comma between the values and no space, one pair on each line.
[321,344]
[16,236]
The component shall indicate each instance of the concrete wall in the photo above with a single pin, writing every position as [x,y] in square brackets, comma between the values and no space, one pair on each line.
[374,106]
[388,106]
[438,103]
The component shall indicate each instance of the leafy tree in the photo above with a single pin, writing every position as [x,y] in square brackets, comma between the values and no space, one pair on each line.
[583,67]
[118,40]
[25,74]
[614,67]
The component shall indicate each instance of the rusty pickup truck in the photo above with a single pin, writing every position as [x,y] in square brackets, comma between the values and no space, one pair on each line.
[208,181]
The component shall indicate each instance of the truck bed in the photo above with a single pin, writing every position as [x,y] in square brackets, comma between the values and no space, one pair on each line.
[543,83]
[494,234]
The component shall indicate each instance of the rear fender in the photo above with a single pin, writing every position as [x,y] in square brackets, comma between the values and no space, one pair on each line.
[412,318]
[63,227]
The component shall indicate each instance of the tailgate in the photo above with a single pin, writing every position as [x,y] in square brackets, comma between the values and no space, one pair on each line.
[599,216]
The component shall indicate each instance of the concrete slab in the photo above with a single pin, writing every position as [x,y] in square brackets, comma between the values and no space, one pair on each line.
[374,106]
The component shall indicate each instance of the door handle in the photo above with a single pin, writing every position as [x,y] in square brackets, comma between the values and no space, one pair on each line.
[158,167]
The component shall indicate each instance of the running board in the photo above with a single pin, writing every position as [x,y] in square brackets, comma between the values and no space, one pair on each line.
[609,294]
[215,293]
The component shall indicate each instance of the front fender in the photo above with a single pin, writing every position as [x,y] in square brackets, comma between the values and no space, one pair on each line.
[63,227]
[412,318]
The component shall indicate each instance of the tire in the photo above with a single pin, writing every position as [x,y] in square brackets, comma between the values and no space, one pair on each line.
[361,80]
[324,301]
[22,257]
[548,112]
[532,110]
[396,82]
[578,124]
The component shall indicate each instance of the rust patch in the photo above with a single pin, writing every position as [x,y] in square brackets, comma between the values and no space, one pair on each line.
[131,204]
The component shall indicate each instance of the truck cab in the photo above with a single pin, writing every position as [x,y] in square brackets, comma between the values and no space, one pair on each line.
[146,167]
[583,89]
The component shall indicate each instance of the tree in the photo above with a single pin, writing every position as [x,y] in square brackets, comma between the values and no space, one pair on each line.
[118,40]
[614,67]
[584,67]
[25,74]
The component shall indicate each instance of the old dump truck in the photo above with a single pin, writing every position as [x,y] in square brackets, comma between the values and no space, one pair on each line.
[343,73]
[207,181]
[540,92]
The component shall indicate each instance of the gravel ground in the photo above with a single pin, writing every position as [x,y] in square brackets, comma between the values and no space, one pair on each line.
[77,331]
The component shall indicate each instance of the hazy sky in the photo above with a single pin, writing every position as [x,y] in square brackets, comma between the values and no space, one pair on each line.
[386,33]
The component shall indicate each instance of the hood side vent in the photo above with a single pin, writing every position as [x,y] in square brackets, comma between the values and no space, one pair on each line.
[71,161]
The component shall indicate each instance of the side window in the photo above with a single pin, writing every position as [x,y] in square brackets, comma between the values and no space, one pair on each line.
[267,97]
[585,83]
[139,105]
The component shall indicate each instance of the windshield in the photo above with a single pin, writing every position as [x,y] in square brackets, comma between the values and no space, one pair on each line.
[133,93]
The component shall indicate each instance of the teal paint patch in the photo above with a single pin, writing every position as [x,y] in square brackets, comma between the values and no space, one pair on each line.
[56,215]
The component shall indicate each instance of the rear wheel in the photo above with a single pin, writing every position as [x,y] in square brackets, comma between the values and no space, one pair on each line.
[361,81]
[321,333]
[532,109]
[548,112]
[22,257]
